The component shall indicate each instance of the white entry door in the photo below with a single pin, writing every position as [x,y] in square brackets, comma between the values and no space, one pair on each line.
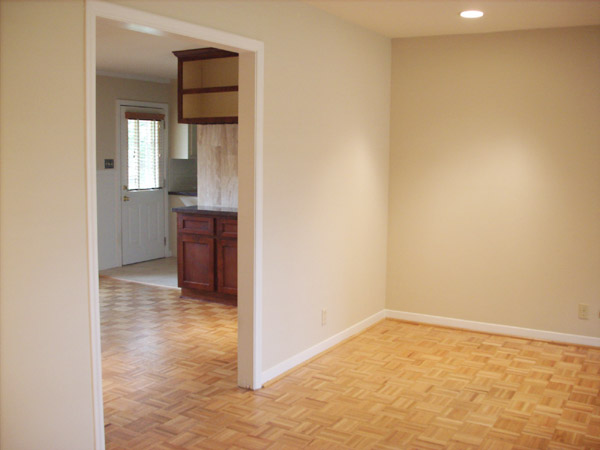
[142,140]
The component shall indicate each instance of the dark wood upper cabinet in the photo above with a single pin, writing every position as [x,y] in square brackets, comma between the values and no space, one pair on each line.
[207,86]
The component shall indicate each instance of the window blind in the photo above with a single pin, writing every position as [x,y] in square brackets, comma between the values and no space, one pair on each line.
[143,150]
[144,116]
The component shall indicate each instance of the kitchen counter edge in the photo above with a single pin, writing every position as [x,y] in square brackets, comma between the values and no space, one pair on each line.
[184,193]
[207,211]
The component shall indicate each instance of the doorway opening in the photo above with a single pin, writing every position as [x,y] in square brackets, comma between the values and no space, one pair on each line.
[143,154]
[250,181]
[140,234]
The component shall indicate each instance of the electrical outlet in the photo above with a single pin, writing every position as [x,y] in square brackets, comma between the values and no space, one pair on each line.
[584,311]
[323,317]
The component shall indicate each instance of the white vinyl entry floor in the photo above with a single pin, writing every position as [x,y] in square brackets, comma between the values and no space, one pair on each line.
[158,272]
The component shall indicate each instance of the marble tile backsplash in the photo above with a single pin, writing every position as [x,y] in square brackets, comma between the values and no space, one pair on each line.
[217,165]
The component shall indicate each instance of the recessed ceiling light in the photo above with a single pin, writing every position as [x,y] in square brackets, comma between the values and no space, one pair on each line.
[143,29]
[472,14]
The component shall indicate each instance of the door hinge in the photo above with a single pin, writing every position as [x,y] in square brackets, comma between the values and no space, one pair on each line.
[165,240]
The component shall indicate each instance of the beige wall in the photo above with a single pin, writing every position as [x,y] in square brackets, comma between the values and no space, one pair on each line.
[111,89]
[499,225]
[325,179]
[325,165]
[495,178]
[45,368]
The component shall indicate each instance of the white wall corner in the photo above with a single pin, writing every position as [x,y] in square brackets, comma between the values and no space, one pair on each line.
[305,355]
[528,333]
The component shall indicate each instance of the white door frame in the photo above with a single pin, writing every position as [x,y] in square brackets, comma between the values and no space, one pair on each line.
[119,190]
[250,335]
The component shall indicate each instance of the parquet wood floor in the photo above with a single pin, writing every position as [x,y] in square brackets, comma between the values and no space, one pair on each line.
[169,382]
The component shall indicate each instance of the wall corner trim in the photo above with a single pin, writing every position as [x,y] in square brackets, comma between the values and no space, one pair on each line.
[508,330]
[305,355]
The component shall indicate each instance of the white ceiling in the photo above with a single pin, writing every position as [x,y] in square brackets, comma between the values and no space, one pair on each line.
[145,55]
[140,54]
[408,18]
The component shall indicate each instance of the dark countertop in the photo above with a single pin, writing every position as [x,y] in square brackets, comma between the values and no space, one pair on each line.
[207,210]
[186,193]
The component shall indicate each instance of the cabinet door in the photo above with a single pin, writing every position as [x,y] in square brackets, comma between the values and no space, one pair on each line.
[227,266]
[227,228]
[191,223]
[196,262]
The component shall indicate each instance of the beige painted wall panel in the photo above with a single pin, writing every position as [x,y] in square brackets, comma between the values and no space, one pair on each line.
[214,104]
[220,72]
[495,186]
[192,74]
[210,73]
[218,165]
[45,368]
[111,89]
[325,165]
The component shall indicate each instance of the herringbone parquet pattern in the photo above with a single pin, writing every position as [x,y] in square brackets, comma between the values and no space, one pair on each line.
[169,382]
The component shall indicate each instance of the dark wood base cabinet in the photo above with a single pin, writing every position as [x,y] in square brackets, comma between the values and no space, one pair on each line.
[207,257]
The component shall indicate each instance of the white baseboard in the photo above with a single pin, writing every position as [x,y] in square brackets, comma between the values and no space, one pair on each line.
[305,355]
[472,325]
[495,328]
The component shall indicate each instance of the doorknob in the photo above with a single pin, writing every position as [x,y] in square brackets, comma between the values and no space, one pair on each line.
[125,198]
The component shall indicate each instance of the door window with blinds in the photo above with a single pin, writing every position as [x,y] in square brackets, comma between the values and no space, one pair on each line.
[143,150]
